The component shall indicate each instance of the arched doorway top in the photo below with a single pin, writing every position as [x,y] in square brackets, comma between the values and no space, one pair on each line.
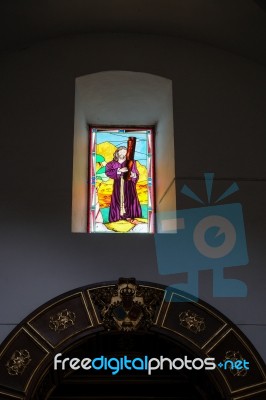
[125,306]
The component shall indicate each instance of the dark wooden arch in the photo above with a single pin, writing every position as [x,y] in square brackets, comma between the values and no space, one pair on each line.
[28,352]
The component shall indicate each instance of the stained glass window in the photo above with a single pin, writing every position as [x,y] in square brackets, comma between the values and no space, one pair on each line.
[121,180]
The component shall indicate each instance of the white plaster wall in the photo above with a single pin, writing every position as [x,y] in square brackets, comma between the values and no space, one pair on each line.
[219,125]
[122,98]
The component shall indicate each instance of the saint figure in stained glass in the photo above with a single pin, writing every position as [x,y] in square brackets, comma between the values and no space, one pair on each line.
[125,204]
[121,188]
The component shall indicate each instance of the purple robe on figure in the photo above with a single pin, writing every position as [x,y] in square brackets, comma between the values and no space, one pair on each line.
[131,201]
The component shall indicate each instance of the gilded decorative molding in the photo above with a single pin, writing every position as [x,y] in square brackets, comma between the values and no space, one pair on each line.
[127,306]
[234,356]
[18,362]
[62,320]
[192,321]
